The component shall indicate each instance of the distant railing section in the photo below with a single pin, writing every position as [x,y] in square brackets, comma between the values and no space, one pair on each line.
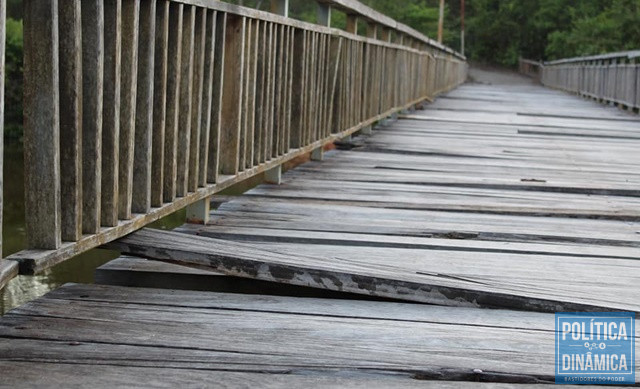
[530,68]
[610,78]
[137,108]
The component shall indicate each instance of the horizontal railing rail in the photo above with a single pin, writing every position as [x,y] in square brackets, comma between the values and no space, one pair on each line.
[135,109]
[610,78]
[530,68]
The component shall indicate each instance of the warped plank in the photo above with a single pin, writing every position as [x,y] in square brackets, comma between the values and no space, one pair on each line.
[197,331]
[445,278]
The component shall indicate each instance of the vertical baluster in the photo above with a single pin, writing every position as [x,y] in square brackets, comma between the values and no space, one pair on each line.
[111,113]
[251,93]
[207,97]
[174,63]
[42,124]
[160,79]
[289,89]
[244,117]
[141,202]
[232,95]
[197,98]
[277,92]
[273,51]
[299,85]
[267,93]
[92,98]
[129,79]
[70,118]
[216,107]
[186,103]
[260,82]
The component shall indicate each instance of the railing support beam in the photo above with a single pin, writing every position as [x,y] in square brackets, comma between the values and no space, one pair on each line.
[198,212]
[280,7]
[324,14]
[273,175]
[317,154]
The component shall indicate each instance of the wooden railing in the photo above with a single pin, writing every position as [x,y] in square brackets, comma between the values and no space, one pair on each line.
[530,68]
[610,78]
[138,108]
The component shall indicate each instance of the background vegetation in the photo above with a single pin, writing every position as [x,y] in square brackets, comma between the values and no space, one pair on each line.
[498,31]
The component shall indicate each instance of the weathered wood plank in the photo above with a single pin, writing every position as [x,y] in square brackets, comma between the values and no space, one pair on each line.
[129,74]
[174,65]
[186,101]
[92,112]
[199,55]
[430,279]
[70,119]
[160,95]
[111,113]
[206,123]
[325,338]
[42,124]
[231,112]
[8,270]
[142,156]
[217,93]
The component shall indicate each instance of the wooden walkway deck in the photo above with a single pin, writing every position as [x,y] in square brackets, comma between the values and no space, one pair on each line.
[496,196]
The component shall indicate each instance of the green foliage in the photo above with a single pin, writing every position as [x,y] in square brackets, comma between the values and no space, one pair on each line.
[501,30]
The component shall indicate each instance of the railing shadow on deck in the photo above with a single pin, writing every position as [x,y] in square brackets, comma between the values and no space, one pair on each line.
[612,78]
[137,108]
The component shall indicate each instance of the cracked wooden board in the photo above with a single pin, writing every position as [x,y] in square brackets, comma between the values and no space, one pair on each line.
[454,278]
[118,335]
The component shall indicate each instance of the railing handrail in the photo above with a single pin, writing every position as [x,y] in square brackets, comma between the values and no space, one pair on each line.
[216,94]
[369,14]
[632,54]
[612,78]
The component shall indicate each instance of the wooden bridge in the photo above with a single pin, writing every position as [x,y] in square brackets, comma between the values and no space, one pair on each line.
[430,246]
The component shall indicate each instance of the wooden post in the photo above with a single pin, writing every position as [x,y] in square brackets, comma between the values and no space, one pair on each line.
[372,30]
[317,154]
[41,124]
[232,95]
[92,99]
[462,27]
[280,7]
[129,78]
[385,34]
[273,175]
[70,119]
[324,14]
[352,23]
[198,212]
[440,21]
[160,75]
[141,201]
[111,113]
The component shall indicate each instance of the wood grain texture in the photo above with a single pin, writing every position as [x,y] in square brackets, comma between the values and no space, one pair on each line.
[128,97]
[142,156]
[287,339]
[42,124]
[92,112]
[111,113]
[70,119]
[160,76]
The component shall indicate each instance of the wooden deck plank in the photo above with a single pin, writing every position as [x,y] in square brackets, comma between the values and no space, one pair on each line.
[458,206]
[429,276]
[187,332]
